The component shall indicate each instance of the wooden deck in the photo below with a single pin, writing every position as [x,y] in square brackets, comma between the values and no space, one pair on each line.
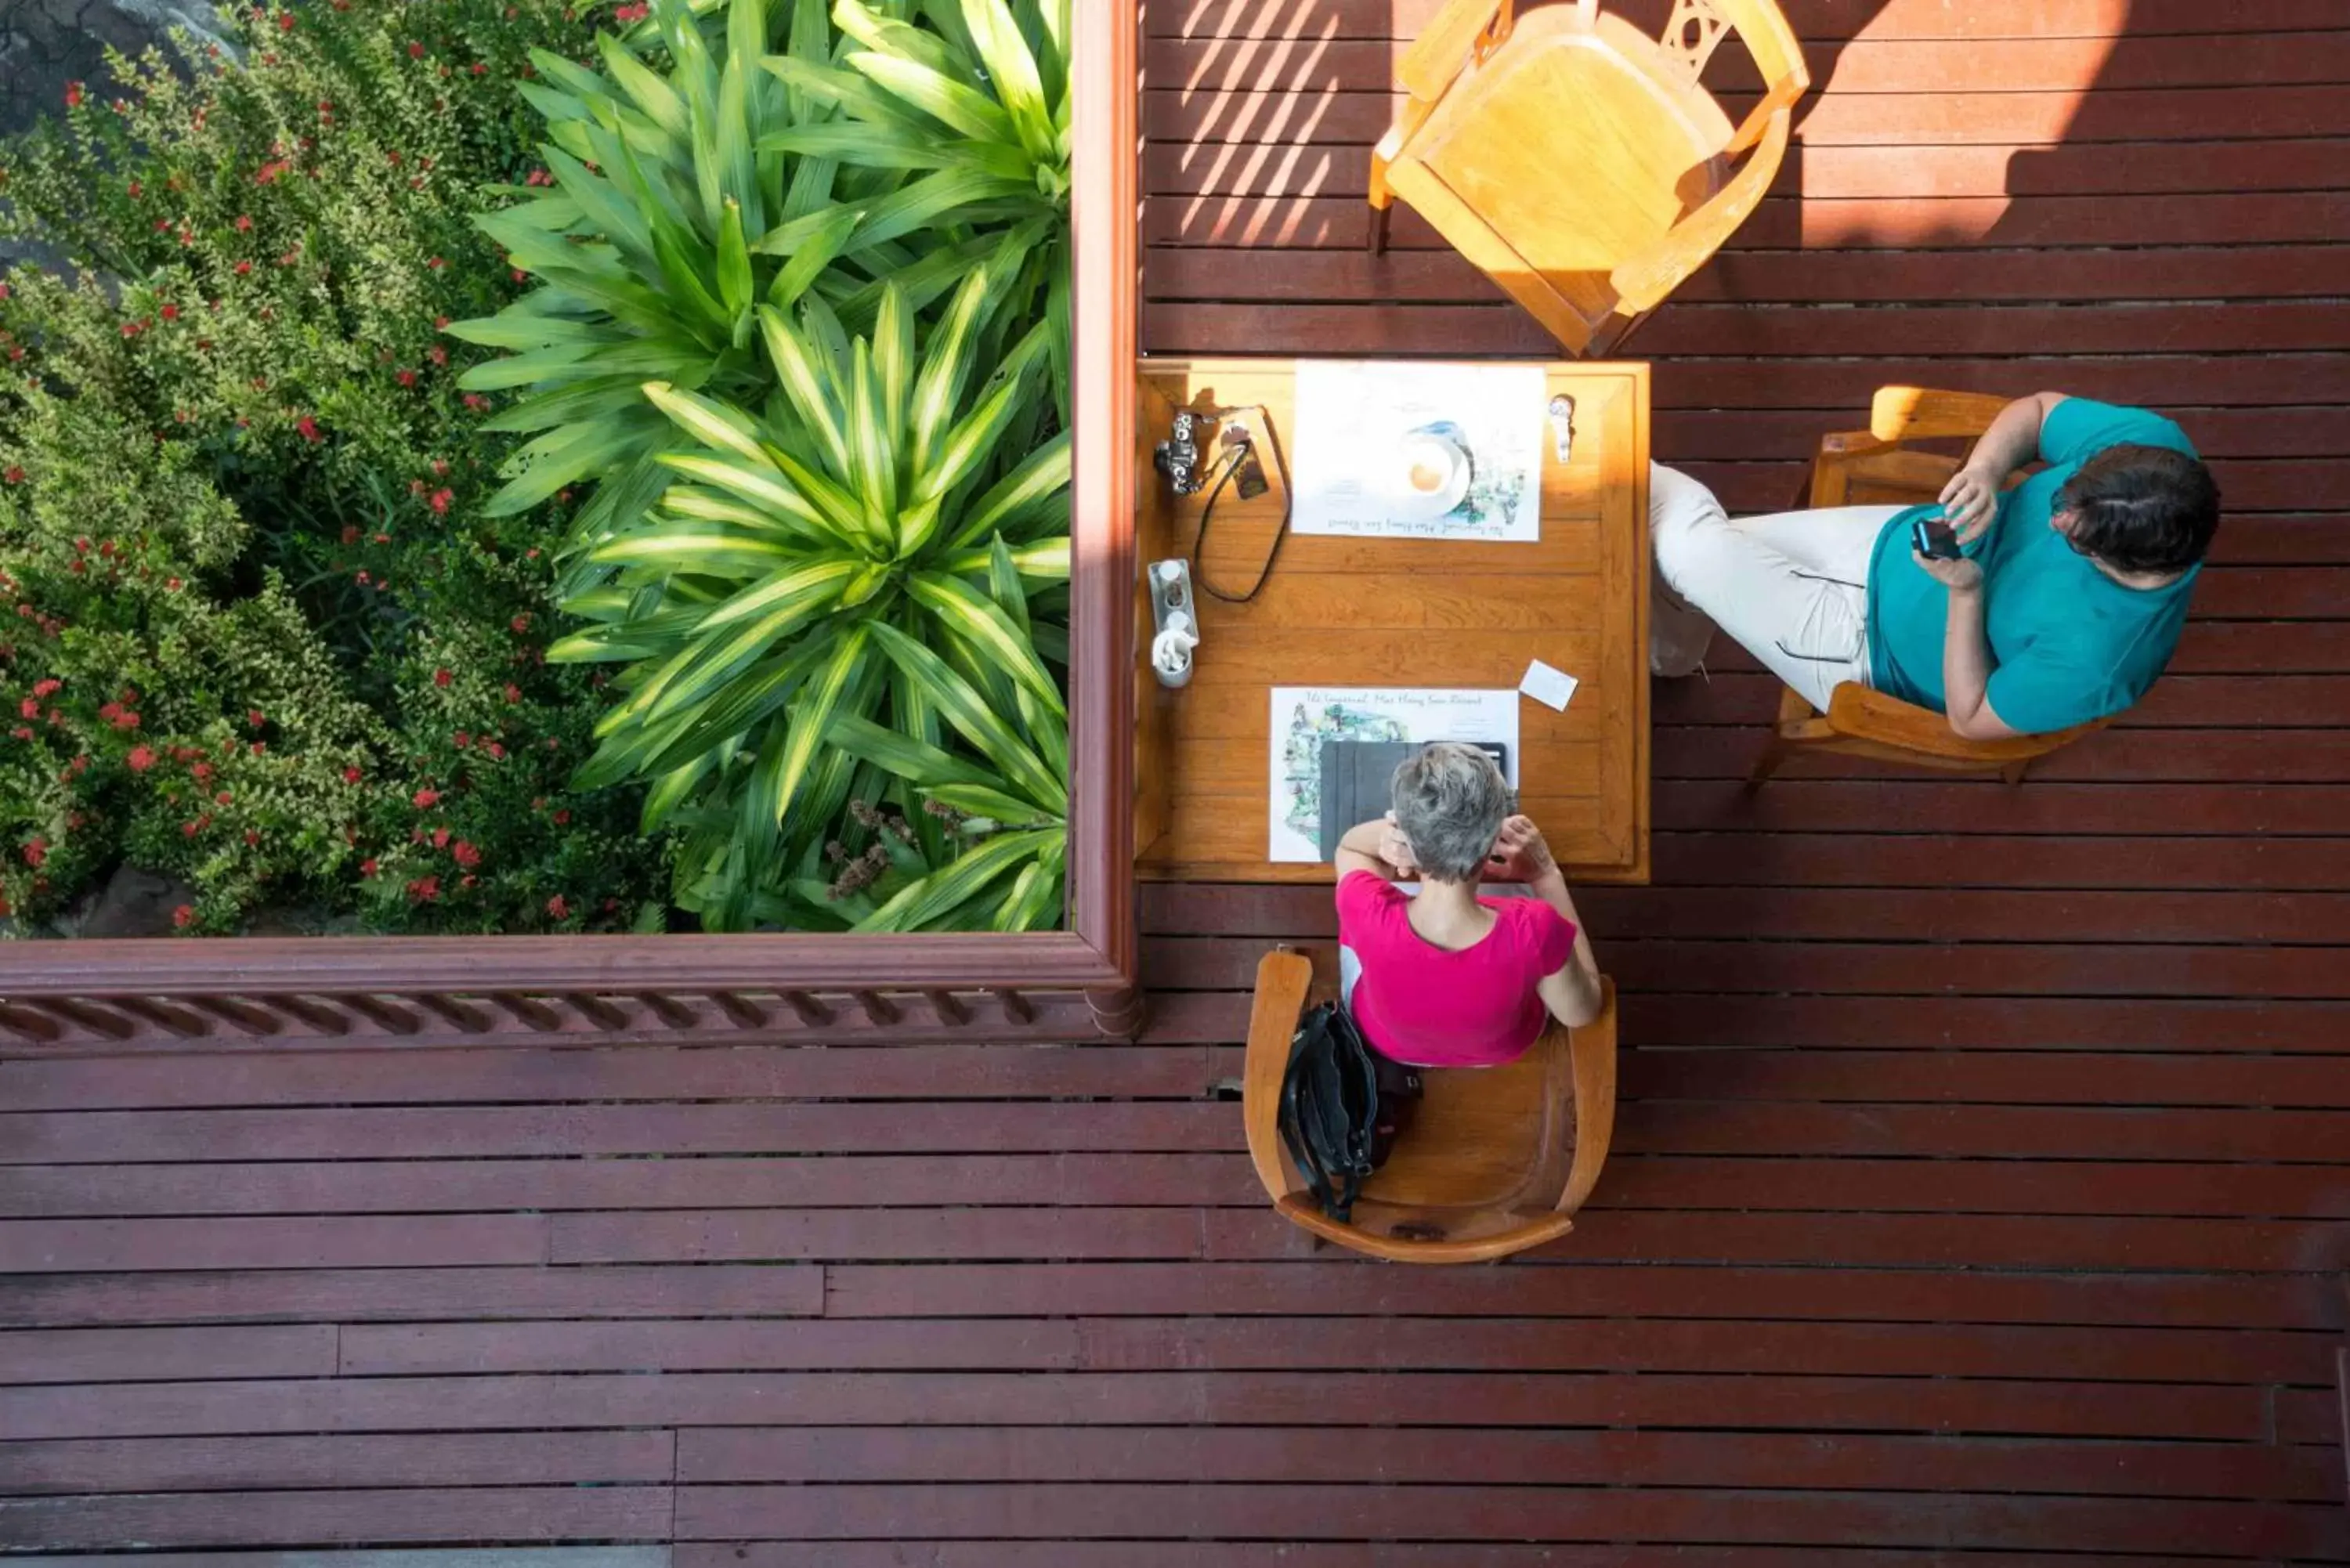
[1982,1193]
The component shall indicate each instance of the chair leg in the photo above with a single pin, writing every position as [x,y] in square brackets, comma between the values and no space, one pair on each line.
[2012,773]
[1774,751]
[1378,235]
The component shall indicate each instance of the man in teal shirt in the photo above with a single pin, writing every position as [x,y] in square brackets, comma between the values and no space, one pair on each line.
[2064,607]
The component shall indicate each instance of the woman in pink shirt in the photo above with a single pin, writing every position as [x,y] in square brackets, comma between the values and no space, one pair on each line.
[1448,978]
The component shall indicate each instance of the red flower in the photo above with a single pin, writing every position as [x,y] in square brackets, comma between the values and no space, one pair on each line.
[30,707]
[438,321]
[244,224]
[475,401]
[464,739]
[141,758]
[286,21]
[521,623]
[497,752]
[36,851]
[201,771]
[465,853]
[440,838]
[309,429]
[361,579]
[436,264]
[563,816]
[350,533]
[367,867]
[48,688]
[426,799]
[440,466]
[15,474]
[183,918]
[441,678]
[252,837]
[406,377]
[243,268]
[222,798]
[558,908]
[169,312]
[415,50]
[437,354]
[424,889]
[440,500]
[253,716]
[350,775]
[73,95]
[513,693]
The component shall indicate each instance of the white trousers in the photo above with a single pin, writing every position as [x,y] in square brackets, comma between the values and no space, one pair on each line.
[1791,588]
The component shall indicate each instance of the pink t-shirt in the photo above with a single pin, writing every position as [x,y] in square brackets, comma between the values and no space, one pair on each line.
[1419,1003]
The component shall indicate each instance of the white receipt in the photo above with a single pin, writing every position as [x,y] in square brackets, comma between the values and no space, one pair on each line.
[1549,686]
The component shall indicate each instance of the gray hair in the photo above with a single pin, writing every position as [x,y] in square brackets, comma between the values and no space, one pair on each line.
[1449,804]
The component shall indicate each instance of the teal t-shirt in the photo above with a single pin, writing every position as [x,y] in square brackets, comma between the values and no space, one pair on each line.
[2069,644]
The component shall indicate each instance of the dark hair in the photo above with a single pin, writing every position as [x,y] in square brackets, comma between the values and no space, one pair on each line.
[2142,508]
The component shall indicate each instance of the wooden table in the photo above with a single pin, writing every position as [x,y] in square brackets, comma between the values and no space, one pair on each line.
[1344,611]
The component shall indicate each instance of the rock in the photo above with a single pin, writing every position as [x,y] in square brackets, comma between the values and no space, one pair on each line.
[45,43]
[135,903]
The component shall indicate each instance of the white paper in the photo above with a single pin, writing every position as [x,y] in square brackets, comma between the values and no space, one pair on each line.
[1546,684]
[1356,420]
[1305,716]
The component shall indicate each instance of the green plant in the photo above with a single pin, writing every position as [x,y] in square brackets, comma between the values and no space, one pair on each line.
[979,99]
[678,205]
[884,523]
[243,480]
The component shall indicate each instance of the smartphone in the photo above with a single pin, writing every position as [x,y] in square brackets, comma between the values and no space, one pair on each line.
[1936,540]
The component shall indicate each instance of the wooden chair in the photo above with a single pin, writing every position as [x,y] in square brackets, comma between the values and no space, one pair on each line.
[1578,162]
[1871,468]
[1496,1159]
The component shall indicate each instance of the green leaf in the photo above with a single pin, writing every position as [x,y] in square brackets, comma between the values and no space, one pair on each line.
[893,364]
[1013,69]
[979,621]
[963,109]
[734,261]
[645,88]
[1040,477]
[714,424]
[876,469]
[795,367]
[939,390]
[936,896]
[821,581]
[760,487]
[811,255]
[981,800]
[811,716]
[908,757]
[964,709]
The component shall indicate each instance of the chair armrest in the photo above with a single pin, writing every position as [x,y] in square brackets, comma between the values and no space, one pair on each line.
[1283,980]
[1921,413]
[1643,283]
[1593,1049]
[1862,713]
[1300,1212]
[1443,46]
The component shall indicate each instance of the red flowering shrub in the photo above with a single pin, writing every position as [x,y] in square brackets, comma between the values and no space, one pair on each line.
[242,482]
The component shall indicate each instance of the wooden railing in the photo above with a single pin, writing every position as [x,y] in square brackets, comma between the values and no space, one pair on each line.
[132,994]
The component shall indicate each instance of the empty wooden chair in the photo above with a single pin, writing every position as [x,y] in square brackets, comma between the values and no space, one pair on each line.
[1579,162]
[1496,1159]
[1871,468]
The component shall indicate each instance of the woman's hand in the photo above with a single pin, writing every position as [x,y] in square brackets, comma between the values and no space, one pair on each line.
[1963,575]
[1396,849]
[1970,503]
[1519,854]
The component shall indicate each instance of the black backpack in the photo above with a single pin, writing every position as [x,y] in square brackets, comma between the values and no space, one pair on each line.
[1342,1106]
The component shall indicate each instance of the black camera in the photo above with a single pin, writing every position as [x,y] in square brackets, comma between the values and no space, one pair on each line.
[1177,457]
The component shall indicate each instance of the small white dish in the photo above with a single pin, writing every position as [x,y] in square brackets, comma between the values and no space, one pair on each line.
[1430,477]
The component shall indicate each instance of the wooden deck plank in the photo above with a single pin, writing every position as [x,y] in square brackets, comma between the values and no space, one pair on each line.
[1982,1182]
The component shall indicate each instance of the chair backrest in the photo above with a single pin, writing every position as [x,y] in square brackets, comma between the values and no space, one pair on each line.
[1696,28]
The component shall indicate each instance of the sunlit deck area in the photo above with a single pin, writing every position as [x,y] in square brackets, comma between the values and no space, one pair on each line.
[1981,1188]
